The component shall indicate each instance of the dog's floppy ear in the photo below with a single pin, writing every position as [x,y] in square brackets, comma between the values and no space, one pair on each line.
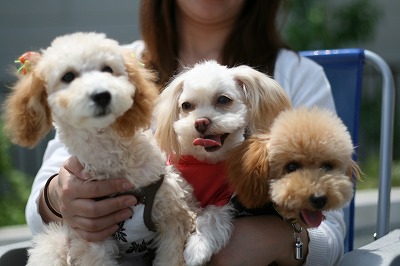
[248,171]
[146,93]
[26,113]
[354,171]
[167,112]
[266,98]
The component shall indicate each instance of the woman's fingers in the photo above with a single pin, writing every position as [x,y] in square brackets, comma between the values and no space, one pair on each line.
[73,186]
[92,219]
[73,166]
[96,220]
[93,209]
[95,189]
[96,229]
[101,223]
[96,236]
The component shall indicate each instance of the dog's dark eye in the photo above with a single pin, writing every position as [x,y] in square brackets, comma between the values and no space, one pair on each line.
[223,100]
[292,167]
[107,69]
[327,166]
[68,77]
[187,106]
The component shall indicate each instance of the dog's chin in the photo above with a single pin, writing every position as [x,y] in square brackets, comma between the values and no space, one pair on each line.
[210,157]
[102,112]
[96,121]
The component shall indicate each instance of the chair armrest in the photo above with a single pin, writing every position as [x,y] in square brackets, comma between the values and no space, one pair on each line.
[14,254]
[384,251]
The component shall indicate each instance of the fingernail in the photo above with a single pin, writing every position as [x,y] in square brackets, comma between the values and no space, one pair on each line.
[126,215]
[130,202]
[114,229]
[127,185]
[85,176]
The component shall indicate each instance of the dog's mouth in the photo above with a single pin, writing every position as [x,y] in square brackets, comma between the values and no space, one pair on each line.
[101,112]
[311,218]
[211,142]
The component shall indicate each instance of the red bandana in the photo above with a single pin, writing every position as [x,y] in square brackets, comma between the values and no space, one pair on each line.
[208,180]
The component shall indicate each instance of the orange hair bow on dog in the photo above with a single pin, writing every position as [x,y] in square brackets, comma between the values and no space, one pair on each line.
[25,62]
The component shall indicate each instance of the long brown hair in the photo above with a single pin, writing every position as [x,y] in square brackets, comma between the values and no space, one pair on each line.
[255,41]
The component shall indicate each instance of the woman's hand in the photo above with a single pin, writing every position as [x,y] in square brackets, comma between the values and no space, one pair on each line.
[73,197]
[261,240]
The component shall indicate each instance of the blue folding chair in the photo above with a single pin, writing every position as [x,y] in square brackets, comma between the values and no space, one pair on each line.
[344,69]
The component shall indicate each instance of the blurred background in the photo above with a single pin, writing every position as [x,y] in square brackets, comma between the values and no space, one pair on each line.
[307,25]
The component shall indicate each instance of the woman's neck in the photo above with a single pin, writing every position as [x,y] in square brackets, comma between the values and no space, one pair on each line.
[201,41]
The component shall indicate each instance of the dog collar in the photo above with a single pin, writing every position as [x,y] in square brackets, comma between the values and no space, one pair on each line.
[297,229]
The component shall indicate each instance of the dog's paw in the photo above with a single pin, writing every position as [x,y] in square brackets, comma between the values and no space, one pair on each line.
[213,231]
[197,251]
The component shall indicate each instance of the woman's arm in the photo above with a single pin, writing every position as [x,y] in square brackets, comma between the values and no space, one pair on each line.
[72,196]
[53,159]
[261,240]
[326,245]
[304,81]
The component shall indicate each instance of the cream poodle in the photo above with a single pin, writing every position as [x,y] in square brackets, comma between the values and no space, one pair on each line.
[201,116]
[303,166]
[100,99]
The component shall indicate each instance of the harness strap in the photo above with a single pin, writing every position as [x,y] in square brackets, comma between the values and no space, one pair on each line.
[149,194]
[145,196]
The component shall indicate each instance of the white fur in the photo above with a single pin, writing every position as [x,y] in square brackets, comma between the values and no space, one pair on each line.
[93,133]
[233,100]
[254,100]
[213,229]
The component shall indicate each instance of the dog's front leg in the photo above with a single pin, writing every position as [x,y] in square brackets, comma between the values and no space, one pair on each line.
[172,238]
[213,231]
[83,253]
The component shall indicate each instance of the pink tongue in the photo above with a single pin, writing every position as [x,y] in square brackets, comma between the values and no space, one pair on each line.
[211,141]
[312,218]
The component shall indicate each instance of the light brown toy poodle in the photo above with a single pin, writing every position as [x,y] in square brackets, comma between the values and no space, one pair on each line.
[303,166]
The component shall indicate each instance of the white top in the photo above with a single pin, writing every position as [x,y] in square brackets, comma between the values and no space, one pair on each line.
[307,85]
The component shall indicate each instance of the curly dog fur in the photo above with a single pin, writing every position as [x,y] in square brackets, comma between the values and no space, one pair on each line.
[100,99]
[204,112]
[303,165]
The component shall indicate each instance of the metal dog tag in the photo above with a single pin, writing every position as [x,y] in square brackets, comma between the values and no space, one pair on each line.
[298,249]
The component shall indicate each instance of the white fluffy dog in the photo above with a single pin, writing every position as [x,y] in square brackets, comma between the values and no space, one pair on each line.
[101,101]
[201,115]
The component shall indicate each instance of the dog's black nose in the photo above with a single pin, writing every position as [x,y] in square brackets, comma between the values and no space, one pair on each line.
[318,202]
[102,99]
[202,124]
